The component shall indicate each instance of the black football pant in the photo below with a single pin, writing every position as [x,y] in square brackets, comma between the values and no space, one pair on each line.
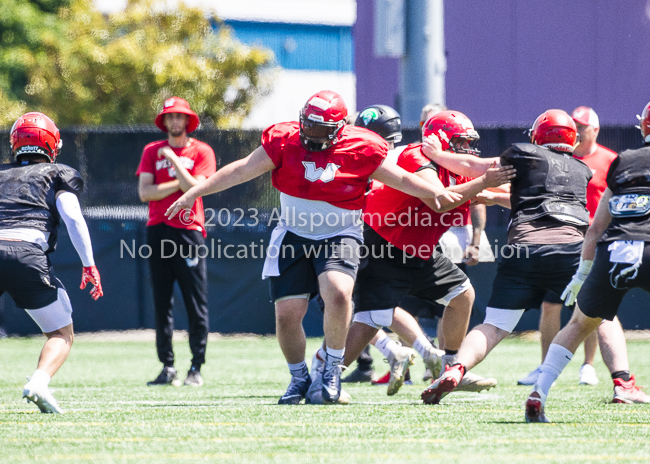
[174,258]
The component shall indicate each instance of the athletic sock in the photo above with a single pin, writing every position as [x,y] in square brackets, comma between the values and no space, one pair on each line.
[554,363]
[386,345]
[40,377]
[299,369]
[422,345]
[623,375]
[334,357]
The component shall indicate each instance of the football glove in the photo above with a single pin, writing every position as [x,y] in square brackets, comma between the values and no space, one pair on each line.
[91,274]
[571,291]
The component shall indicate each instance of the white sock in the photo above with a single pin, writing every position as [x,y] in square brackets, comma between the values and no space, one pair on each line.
[554,363]
[299,369]
[334,356]
[386,345]
[422,345]
[40,377]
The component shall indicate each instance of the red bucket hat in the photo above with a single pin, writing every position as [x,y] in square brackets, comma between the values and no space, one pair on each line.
[178,105]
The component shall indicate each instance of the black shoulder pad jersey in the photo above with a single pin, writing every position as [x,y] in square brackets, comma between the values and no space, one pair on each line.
[548,183]
[28,195]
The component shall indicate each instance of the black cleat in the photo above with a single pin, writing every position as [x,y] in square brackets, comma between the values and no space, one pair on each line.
[166,377]
[296,391]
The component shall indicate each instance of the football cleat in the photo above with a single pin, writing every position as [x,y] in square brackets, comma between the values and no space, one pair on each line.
[194,378]
[433,361]
[317,364]
[359,376]
[628,392]
[167,376]
[535,408]
[427,376]
[331,378]
[588,375]
[315,394]
[296,390]
[399,361]
[41,396]
[441,387]
[471,382]
[531,378]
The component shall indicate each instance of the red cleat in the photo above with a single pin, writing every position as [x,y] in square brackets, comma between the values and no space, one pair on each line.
[628,392]
[535,409]
[444,385]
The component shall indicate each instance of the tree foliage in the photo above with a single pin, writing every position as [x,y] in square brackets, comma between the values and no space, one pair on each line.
[82,67]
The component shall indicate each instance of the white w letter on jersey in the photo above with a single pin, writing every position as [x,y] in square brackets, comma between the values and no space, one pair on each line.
[324,175]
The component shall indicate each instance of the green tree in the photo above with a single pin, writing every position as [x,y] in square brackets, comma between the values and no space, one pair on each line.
[89,68]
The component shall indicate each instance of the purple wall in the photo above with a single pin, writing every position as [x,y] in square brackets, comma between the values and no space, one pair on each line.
[377,78]
[507,61]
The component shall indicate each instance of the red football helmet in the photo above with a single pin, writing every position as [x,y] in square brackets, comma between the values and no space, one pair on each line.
[35,133]
[455,131]
[556,130]
[321,120]
[644,123]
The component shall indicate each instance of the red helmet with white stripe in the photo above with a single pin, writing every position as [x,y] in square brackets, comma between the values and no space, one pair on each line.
[35,134]
[321,120]
[455,131]
[556,130]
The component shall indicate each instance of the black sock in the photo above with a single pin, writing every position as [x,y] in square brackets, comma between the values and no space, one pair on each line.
[451,352]
[196,368]
[623,375]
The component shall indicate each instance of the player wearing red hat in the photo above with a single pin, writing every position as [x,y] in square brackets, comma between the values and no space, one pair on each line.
[36,195]
[322,169]
[169,168]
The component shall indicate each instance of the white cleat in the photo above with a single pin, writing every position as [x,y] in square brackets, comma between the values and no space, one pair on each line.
[315,393]
[41,396]
[399,361]
[588,375]
[317,364]
[433,361]
[531,378]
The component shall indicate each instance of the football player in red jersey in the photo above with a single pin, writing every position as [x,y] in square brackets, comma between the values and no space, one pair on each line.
[36,194]
[615,258]
[322,167]
[401,233]
[548,220]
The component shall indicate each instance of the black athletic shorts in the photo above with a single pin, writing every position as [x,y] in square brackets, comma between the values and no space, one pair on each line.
[553,298]
[525,273]
[26,275]
[302,260]
[605,287]
[382,283]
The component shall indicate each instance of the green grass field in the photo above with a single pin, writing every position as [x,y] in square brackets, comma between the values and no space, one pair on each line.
[111,416]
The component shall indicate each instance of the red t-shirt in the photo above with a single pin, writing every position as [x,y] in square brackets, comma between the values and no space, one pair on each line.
[406,221]
[598,162]
[338,175]
[199,160]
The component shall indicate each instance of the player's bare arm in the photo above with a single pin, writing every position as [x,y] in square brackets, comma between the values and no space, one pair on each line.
[400,179]
[602,218]
[185,179]
[235,173]
[149,191]
[478,215]
[493,177]
[463,164]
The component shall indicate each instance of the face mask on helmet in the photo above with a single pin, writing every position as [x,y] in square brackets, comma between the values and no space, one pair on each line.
[455,132]
[556,130]
[35,134]
[321,120]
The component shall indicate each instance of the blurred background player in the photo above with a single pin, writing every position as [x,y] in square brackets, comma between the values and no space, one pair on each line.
[615,258]
[36,195]
[598,158]
[403,258]
[548,219]
[322,167]
[169,168]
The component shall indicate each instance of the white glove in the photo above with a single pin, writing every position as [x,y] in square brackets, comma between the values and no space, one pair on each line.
[571,291]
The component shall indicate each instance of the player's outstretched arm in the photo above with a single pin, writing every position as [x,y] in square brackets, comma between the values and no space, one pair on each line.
[465,165]
[400,179]
[69,209]
[235,173]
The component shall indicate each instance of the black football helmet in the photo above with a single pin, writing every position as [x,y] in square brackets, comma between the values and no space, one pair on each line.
[383,120]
